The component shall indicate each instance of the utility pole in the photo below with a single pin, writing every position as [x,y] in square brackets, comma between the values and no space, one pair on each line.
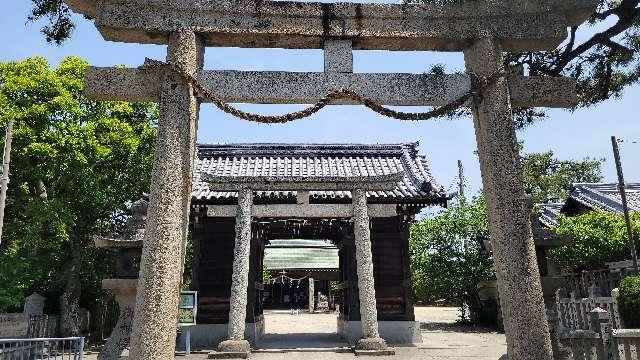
[461,198]
[625,207]
[4,181]
[460,179]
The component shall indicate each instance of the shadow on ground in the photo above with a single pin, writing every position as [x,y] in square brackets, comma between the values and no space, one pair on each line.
[455,327]
[313,342]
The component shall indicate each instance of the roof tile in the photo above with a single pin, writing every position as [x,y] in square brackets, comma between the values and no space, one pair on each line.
[327,160]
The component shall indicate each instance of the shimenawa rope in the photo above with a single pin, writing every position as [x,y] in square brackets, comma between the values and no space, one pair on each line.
[478,84]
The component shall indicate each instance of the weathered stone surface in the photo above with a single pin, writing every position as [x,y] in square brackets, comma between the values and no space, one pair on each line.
[125,294]
[234,346]
[279,87]
[393,332]
[34,305]
[520,25]
[132,235]
[13,326]
[560,351]
[154,325]
[523,310]
[364,260]
[371,344]
[338,56]
[240,277]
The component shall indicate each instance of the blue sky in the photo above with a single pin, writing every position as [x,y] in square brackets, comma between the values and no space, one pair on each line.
[571,135]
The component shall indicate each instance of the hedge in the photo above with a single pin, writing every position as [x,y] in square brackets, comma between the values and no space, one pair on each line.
[629,301]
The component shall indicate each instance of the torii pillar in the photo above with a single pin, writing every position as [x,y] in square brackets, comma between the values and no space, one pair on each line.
[154,325]
[523,310]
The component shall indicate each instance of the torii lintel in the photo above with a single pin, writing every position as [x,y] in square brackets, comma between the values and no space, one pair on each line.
[519,25]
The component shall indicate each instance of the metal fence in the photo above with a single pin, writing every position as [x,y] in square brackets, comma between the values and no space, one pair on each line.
[43,348]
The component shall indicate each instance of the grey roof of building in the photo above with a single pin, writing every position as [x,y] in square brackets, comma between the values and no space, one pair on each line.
[606,196]
[301,255]
[549,214]
[318,160]
[594,196]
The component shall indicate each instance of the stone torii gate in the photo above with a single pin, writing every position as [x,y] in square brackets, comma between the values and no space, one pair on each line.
[481,29]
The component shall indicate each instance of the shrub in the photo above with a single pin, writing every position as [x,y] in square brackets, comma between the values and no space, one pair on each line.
[629,301]
[597,237]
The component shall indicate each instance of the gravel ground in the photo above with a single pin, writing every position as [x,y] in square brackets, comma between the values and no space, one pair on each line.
[313,336]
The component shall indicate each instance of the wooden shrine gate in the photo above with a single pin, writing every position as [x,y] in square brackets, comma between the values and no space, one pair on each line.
[482,30]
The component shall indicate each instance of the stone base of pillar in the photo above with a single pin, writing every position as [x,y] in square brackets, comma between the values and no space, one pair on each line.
[124,290]
[373,347]
[371,344]
[234,346]
[228,355]
[208,336]
[385,352]
[231,349]
[393,332]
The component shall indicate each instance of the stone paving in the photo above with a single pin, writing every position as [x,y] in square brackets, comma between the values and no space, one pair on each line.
[313,336]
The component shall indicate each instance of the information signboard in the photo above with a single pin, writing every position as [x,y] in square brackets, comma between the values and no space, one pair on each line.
[188,308]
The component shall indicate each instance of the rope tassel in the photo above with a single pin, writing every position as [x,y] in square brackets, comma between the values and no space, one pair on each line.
[477,87]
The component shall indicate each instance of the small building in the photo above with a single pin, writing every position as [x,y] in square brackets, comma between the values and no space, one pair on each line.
[279,216]
[583,198]
[586,197]
[294,264]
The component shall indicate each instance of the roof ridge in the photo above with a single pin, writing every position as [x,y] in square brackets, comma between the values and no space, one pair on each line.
[282,144]
[602,184]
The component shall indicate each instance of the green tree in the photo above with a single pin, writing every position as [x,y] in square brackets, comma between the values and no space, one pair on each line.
[547,178]
[604,62]
[266,275]
[629,301]
[75,165]
[596,237]
[444,269]
[447,255]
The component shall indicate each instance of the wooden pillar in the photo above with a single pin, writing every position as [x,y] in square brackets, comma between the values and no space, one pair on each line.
[154,326]
[523,309]
[404,230]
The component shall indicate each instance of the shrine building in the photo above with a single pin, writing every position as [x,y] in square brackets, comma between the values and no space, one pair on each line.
[324,215]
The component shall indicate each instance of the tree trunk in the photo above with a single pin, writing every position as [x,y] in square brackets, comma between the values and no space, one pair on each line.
[70,298]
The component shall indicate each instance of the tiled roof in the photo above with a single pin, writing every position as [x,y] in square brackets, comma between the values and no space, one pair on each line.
[594,196]
[606,196]
[301,254]
[317,160]
[549,214]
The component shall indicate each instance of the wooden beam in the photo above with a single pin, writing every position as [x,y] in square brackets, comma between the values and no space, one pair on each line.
[304,183]
[273,87]
[521,25]
[303,210]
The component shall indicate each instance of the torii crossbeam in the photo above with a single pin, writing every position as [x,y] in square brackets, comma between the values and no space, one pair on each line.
[482,29]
